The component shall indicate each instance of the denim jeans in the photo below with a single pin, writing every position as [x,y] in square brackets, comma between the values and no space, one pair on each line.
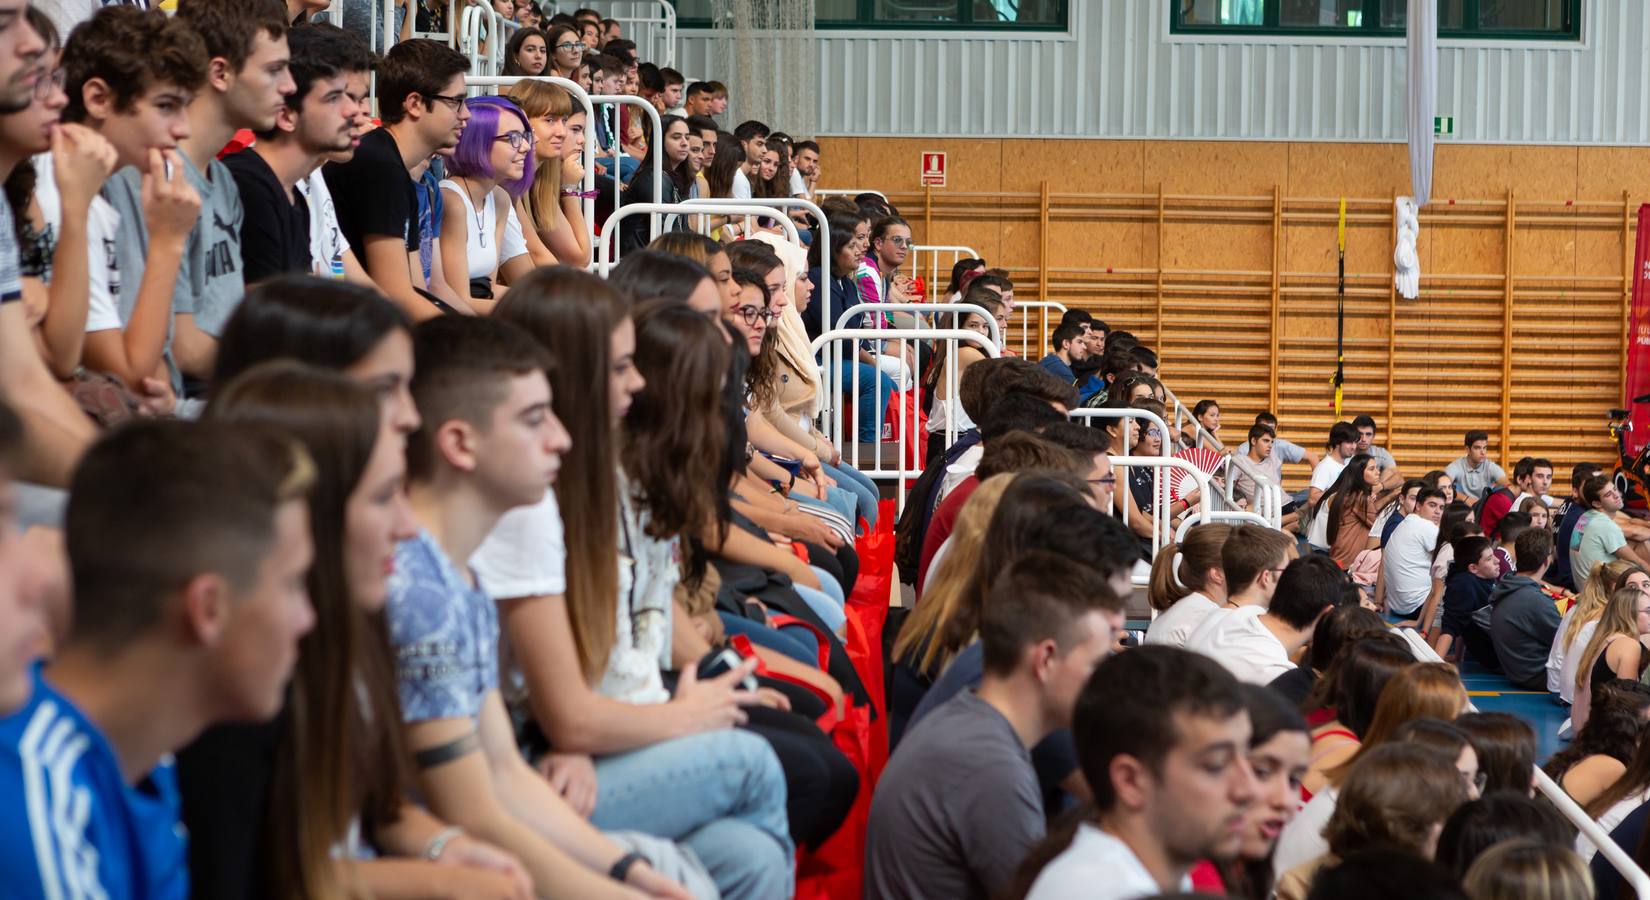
[875,388]
[829,604]
[719,793]
[838,500]
[797,643]
[862,487]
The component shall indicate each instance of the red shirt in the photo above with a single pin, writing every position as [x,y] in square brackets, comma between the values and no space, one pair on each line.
[1497,506]
[939,527]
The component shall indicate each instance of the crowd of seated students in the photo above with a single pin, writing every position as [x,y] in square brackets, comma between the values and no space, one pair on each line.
[373,548]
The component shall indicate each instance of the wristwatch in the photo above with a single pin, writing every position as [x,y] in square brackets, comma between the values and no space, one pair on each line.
[621,869]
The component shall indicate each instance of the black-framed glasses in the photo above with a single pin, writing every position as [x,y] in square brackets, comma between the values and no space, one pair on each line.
[452,100]
[1108,480]
[752,313]
[49,81]
[519,140]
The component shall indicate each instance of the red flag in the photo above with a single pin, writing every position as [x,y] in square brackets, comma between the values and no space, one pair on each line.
[1636,381]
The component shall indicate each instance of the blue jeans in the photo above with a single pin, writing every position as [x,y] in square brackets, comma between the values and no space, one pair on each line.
[828,604]
[838,500]
[720,793]
[797,643]
[874,390]
[863,488]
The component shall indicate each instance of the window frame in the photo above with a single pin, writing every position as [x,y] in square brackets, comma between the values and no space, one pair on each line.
[1471,31]
[865,20]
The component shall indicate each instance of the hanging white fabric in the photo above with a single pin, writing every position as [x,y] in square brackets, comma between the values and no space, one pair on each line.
[1422,33]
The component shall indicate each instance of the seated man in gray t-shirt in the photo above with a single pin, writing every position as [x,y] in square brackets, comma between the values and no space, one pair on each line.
[1474,475]
[959,805]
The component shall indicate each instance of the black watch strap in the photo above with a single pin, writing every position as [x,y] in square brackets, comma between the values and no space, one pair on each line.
[621,869]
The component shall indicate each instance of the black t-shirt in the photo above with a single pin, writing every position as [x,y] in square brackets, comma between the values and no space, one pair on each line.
[373,194]
[275,229]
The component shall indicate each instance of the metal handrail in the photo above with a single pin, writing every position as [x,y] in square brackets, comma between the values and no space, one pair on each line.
[1237,516]
[1044,306]
[957,251]
[857,308]
[1618,858]
[580,96]
[1162,523]
[667,19]
[1145,415]
[619,154]
[784,203]
[831,389]
[608,239]
[848,192]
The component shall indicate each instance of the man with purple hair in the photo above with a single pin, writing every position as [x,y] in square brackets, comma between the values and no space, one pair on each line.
[490,168]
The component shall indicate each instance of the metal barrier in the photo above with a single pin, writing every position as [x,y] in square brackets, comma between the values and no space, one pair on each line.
[1162,520]
[933,251]
[781,204]
[858,308]
[850,193]
[1182,415]
[608,239]
[588,204]
[1087,417]
[1234,516]
[658,15]
[1269,498]
[619,155]
[871,458]
[1619,859]
[469,42]
[1023,309]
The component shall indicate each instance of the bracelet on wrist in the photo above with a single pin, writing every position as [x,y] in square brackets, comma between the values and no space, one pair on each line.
[621,869]
[583,195]
[438,844]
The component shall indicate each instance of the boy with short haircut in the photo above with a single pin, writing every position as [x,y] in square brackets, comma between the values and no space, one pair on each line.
[421,103]
[718,98]
[1390,476]
[130,75]
[175,629]
[489,443]
[696,100]
[1406,560]
[317,121]
[1163,739]
[753,137]
[1259,643]
[1597,539]
[246,85]
[1253,559]
[1342,445]
[1523,617]
[1475,475]
[671,96]
[1068,347]
[960,805]
[1283,450]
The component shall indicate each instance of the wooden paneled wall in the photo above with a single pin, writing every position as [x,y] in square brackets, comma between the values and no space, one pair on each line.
[1221,255]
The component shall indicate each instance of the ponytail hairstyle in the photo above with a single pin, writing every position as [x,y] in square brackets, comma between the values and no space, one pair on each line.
[1187,566]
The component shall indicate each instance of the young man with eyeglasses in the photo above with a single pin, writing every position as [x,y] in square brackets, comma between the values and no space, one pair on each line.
[318,118]
[1258,643]
[421,103]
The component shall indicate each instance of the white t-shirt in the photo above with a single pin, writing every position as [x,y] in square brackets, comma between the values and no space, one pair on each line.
[741,189]
[1572,659]
[326,239]
[1302,839]
[799,188]
[1406,563]
[102,225]
[1097,866]
[1238,640]
[1175,624]
[1329,468]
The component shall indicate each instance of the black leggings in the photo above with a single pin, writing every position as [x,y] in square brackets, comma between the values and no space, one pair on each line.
[820,783]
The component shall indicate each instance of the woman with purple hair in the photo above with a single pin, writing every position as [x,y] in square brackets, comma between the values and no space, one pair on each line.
[490,168]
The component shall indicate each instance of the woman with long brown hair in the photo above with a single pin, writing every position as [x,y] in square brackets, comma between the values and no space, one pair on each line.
[340,767]
[1187,583]
[551,213]
[1576,629]
[593,639]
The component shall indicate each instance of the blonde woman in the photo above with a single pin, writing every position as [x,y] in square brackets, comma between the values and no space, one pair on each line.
[1615,650]
[551,211]
[1524,867]
[1577,626]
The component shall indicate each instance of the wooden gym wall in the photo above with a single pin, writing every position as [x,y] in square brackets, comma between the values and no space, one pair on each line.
[1221,255]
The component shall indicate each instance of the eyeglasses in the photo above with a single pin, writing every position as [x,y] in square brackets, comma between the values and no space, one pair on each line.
[1109,479]
[752,313]
[519,140]
[1477,779]
[572,45]
[49,82]
[454,101]
[901,242]
[1154,431]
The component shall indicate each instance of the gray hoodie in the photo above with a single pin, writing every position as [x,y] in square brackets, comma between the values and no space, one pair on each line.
[1522,624]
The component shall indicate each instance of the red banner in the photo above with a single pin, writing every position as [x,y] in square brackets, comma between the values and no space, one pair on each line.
[1636,380]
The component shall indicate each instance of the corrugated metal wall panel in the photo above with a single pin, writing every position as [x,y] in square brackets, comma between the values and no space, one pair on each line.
[1119,74]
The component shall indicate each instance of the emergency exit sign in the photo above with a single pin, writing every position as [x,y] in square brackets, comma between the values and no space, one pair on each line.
[1442,125]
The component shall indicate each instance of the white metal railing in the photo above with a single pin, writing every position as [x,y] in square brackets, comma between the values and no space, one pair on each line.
[619,156]
[1269,498]
[608,240]
[781,204]
[1183,415]
[1618,858]
[871,458]
[931,253]
[850,193]
[1234,516]
[1022,313]
[650,23]
[582,98]
[922,309]
[471,22]
[1161,503]
[1089,416]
